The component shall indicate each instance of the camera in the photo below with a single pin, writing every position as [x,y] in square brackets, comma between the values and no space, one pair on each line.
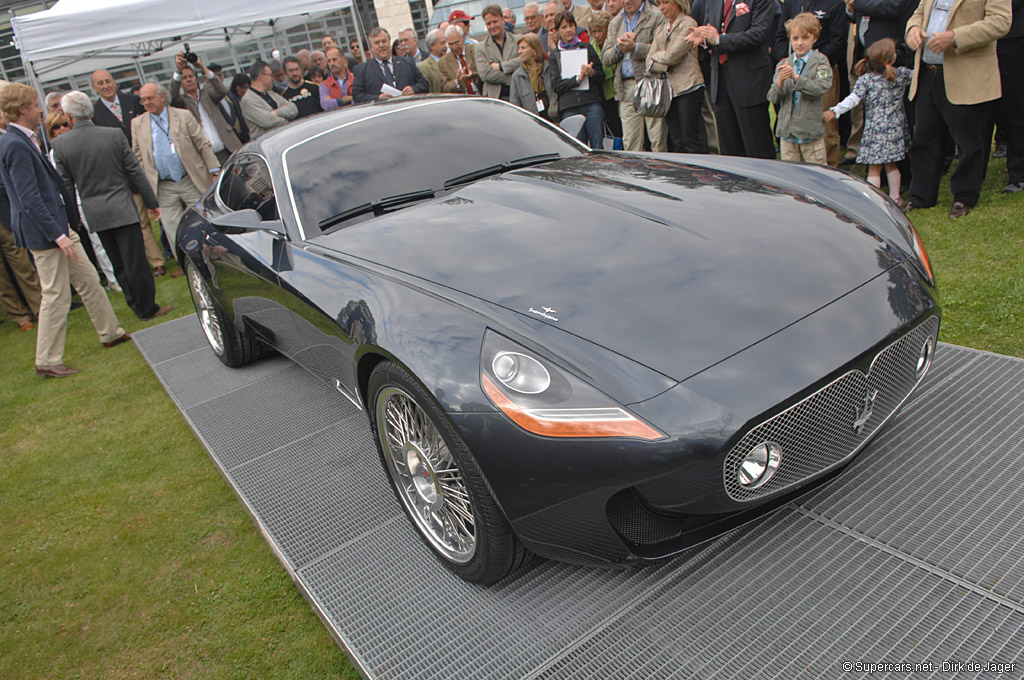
[190,56]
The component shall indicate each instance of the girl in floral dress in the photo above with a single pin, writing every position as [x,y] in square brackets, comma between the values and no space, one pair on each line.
[886,135]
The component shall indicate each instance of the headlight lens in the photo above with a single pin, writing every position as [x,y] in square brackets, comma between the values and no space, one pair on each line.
[520,372]
[545,400]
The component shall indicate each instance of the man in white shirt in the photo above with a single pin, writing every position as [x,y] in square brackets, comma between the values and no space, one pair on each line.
[205,104]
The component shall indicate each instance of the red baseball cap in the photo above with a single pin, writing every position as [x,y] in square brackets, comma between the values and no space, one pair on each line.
[459,15]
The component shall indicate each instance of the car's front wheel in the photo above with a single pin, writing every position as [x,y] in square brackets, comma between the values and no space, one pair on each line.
[437,481]
[232,347]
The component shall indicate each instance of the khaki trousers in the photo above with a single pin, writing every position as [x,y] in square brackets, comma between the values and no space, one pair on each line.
[154,253]
[811,152]
[633,124]
[25,277]
[175,198]
[56,275]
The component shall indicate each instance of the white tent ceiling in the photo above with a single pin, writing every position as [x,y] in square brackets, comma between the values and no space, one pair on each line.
[73,30]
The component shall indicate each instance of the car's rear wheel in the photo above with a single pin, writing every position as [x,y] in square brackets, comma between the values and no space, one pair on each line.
[231,347]
[437,481]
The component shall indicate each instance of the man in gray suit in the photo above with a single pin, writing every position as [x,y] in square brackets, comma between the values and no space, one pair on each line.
[100,164]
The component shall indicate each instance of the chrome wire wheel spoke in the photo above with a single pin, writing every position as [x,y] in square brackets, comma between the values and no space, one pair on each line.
[429,482]
[205,307]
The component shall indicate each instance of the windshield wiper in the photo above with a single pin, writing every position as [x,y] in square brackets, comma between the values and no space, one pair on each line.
[503,167]
[377,207]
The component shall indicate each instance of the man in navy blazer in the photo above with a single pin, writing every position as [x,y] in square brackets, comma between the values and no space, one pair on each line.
[737,34]
[40,223]
[400,73]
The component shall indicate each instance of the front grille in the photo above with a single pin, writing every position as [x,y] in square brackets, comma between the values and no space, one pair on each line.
[818,434]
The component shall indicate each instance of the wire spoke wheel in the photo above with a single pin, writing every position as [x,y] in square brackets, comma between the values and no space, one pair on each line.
[207,311]
[429,481]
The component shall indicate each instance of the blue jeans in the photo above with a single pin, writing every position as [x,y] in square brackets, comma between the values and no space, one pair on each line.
[593,129]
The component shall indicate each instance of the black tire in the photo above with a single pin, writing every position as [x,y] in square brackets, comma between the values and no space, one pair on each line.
[436,479]
[232,347]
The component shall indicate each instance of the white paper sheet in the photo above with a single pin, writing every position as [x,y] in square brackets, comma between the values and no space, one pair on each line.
[387,89]
[572,61]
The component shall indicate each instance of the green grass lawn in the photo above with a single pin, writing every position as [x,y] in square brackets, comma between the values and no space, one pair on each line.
[126,555]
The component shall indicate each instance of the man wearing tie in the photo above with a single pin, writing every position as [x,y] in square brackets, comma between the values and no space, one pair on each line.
[457,72]
[118,109]
[400,73]
[39,220]
[174,154]
[737,33]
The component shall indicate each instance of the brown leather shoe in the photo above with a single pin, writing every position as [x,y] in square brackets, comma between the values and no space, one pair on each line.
[57,371]
[26,325]
[159,271]
[160,312]
[959,210]
[114,343]
[180,272]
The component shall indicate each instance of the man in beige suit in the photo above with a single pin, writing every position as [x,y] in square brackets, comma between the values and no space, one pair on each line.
[495,57]
[458,69]
[956,82]
[174,154]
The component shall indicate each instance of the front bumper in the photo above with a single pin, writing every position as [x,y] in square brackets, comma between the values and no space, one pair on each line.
[618,500]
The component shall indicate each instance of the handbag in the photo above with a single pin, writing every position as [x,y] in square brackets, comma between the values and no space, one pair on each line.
[652,95]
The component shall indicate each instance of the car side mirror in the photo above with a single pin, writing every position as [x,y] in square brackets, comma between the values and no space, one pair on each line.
[242,221]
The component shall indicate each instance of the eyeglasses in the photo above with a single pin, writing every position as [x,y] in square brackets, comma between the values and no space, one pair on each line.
[58,126]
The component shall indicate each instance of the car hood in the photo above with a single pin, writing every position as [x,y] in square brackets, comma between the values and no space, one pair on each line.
[672,265]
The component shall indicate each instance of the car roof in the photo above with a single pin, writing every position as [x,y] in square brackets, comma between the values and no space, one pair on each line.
[276,141]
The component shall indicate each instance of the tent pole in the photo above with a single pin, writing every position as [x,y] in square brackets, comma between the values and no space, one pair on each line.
[234,57]
[32,80]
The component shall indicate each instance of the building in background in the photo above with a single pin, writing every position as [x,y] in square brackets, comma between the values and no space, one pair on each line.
[288,34]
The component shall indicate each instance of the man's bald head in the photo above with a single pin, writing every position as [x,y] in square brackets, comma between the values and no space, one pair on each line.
[104,84]
[153,97]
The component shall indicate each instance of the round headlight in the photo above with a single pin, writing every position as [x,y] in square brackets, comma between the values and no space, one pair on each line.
[520,372]
[924,358]
[760,465]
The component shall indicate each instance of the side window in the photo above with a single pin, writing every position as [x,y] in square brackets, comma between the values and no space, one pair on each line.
[246,184]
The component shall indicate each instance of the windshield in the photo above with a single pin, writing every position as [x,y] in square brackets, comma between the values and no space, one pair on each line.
[413,152]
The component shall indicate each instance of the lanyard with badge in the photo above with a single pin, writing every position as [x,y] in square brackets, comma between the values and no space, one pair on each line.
[166,131]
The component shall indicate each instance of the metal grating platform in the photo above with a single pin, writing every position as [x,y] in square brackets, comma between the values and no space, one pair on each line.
[915,555]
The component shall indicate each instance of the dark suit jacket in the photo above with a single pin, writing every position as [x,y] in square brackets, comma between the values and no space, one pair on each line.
[834,28]
[35,191]
[100,164]
[369,78]
[886,19]
[130,107]
[746,43]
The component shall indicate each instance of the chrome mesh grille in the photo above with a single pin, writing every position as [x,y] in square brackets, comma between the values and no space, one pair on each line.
[817,434]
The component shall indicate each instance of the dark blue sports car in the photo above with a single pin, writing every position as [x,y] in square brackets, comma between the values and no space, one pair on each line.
[590,356]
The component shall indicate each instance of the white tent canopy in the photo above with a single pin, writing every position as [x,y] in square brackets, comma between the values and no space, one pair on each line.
[73,30]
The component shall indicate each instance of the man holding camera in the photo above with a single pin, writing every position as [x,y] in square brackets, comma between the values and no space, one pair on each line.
[204,103]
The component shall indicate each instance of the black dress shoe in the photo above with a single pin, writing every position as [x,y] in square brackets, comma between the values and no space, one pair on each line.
[847,162]
[958,210]
[160,312]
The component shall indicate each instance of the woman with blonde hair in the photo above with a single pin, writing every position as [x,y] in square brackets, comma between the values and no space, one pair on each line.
[671,53]
[527,87]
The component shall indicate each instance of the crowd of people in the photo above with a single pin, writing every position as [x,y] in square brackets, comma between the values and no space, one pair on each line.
[85,181]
